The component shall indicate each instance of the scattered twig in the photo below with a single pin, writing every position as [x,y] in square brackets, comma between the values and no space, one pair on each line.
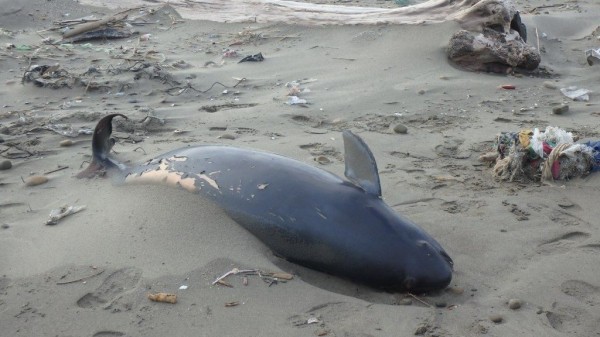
[81,279]
[545,6]
[538,39]
[234,271]
[182,89]
[28,65]
[88,26]
[420,300]
[139,148]
[60,168]
[269,278]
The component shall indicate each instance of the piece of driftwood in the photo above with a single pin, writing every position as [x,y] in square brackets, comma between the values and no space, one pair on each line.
[493,39]
[305,13]
[89,26]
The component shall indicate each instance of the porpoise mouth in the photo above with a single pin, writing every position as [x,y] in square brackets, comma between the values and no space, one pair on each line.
[447,258]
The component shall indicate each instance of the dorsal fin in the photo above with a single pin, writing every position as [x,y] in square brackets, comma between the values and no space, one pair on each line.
[361,168]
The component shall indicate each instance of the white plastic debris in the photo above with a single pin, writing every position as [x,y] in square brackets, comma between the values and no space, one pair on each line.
[292,100]
[312,320]
[183,287]
[576,94]
[59,213]
[593,56]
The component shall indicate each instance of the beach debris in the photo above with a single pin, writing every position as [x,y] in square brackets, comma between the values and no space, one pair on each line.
[593,56]
[5,165]
[536,155]
[66,143]
[230,53]
[253,58]
[183,287]
[295,100]
[400,128]
[456,290]
[58,213]
[48,76]
[508,87]
[227,136]
[421,330]
[59,168]
[312,320]
[35,180]
[576,94]
[267,277]
[100,34]
[561,109]
[232,304]
[163,298]
[496,318]
[514,303]
[323,160]
[493,39]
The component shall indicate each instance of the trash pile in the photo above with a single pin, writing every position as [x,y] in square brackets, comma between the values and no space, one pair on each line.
[535,155]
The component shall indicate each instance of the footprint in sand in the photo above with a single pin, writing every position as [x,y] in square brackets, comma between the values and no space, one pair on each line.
[581,290]
[116,284]
[563,242]
[520,213]
[573,320]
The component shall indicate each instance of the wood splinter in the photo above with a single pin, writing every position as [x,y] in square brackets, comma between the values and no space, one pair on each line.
[163,298]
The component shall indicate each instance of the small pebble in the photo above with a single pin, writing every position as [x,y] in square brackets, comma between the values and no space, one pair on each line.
[400,129]
[561,109]
[5,165]
[421,92]
[514,303]
[421,330]
[550,85]
[36,180]
[227,136]
[440,304]
[66,143]
[565,203]
[456,290]
[496,318]
[323,160]
[405,301]
[5,226]
[539,311]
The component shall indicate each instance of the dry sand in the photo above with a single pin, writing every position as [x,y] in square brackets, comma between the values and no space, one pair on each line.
[536,243]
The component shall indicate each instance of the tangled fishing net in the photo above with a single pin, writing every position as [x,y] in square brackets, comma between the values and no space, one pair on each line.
[534,155]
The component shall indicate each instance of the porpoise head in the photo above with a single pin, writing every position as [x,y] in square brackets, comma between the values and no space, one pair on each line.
[417,262]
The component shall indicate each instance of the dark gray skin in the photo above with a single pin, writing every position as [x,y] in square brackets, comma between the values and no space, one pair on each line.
[310,216]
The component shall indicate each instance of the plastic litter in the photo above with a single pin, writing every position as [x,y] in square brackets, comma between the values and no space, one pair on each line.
[593,56]
[576,94]
[253,58]
[58,213]
[293,100]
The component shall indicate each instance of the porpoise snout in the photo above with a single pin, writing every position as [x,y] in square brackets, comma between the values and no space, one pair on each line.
[435,271]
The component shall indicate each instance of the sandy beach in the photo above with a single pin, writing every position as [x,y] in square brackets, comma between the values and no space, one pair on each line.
[179,82]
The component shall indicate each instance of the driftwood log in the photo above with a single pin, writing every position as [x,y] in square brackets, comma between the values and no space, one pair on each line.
[492,38]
